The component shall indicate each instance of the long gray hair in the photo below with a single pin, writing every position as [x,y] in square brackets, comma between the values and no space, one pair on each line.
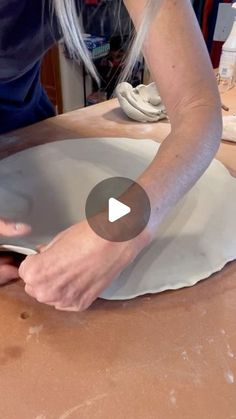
[67,15]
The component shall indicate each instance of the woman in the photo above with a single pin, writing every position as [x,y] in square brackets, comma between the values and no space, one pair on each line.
[72,271]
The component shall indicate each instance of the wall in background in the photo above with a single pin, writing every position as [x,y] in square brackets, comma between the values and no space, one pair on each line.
[225,19]
[215,18]
[72,83]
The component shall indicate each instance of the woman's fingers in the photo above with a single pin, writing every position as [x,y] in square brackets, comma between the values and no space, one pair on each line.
[41,248]
[8,273]
[9,265]
[10,229]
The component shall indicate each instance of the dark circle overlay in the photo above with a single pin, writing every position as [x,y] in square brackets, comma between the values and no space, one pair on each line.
[129,193]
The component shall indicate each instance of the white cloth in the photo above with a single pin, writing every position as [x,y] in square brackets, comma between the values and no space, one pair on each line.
[229,128]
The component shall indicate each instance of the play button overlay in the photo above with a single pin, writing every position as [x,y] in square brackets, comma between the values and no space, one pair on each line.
[118,209]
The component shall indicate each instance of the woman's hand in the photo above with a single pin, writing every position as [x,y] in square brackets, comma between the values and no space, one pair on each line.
[9,264]
[72,271]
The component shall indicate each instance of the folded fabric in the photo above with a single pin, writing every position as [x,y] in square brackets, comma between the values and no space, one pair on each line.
[229,128]
[142,103]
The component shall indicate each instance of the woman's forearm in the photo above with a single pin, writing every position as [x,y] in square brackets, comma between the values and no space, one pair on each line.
[179,62]
[182,158]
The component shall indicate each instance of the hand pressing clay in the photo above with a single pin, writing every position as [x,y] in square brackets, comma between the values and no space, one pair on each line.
[142,103]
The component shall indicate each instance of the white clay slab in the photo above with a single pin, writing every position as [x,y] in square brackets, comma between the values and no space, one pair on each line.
[47,187]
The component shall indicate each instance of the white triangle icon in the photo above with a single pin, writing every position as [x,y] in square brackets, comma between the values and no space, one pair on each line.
[117,210]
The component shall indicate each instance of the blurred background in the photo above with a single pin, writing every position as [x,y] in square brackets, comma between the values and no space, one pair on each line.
[68,84]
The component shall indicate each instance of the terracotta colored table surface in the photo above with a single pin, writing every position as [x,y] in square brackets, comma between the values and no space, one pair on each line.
[166,356]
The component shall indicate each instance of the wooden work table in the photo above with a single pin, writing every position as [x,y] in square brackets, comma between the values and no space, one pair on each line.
[166,356]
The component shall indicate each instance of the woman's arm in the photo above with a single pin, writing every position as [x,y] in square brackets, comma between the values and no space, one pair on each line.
[78,265]
[179,62]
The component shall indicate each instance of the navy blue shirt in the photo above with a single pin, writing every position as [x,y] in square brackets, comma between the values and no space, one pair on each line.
[27,31]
